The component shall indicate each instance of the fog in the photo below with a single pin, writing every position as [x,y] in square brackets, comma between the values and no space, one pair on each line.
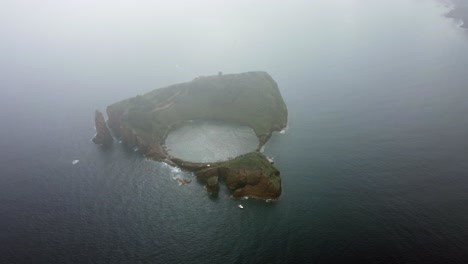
[373,163]
[139,39]
[145,42]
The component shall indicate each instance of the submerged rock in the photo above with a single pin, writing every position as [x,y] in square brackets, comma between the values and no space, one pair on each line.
[103,135]
[182,180]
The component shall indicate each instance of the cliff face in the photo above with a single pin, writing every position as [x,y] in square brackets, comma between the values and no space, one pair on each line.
[103,135]
[251,99]
[248,175]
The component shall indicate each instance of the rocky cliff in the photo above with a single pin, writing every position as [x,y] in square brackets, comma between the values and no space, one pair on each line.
[251,99]
[249,175]
[103,135]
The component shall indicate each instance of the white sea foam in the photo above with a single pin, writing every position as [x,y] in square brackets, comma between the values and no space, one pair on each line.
[75,162]
[284,130]
[175,170]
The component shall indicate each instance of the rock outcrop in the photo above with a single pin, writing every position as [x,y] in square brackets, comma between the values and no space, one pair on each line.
[250,175]
[251,99]
[103,135]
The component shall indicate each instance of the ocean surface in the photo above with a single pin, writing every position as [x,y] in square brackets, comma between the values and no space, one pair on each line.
[374,163]
[210,141]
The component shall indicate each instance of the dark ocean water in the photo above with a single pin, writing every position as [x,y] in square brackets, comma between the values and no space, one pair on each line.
[374,163]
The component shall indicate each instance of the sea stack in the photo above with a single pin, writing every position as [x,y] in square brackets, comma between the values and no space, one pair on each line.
[249,175]
[103,135]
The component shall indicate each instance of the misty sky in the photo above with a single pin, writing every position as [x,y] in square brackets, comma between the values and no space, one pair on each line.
[162,35]
[163,42]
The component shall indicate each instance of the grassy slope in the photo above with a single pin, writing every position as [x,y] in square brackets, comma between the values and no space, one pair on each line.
[253,161]
[251,98]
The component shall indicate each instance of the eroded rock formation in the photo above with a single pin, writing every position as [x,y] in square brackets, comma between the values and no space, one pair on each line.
[103,135]
[250,175]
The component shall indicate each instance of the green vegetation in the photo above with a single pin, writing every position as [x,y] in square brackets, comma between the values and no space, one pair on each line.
[255,161]
[251,99]
[250,175]
[252,161]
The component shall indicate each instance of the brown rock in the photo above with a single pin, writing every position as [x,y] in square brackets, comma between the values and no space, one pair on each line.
[212,185]
[253,183]
[184,180]
[250,175]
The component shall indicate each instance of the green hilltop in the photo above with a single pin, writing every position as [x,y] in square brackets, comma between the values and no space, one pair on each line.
[251,99]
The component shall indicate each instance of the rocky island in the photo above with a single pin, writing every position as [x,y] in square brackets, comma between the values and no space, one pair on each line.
[252,99]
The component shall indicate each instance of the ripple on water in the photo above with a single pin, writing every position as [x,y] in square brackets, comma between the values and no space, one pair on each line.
[209,141]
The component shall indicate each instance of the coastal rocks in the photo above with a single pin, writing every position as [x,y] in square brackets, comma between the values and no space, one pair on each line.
[183,180]
[212,185]
[249,175]
[103,135]
[254,184]
[251,98]
[210,177]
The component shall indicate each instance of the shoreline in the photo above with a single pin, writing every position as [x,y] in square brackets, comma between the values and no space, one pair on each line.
[459,11]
